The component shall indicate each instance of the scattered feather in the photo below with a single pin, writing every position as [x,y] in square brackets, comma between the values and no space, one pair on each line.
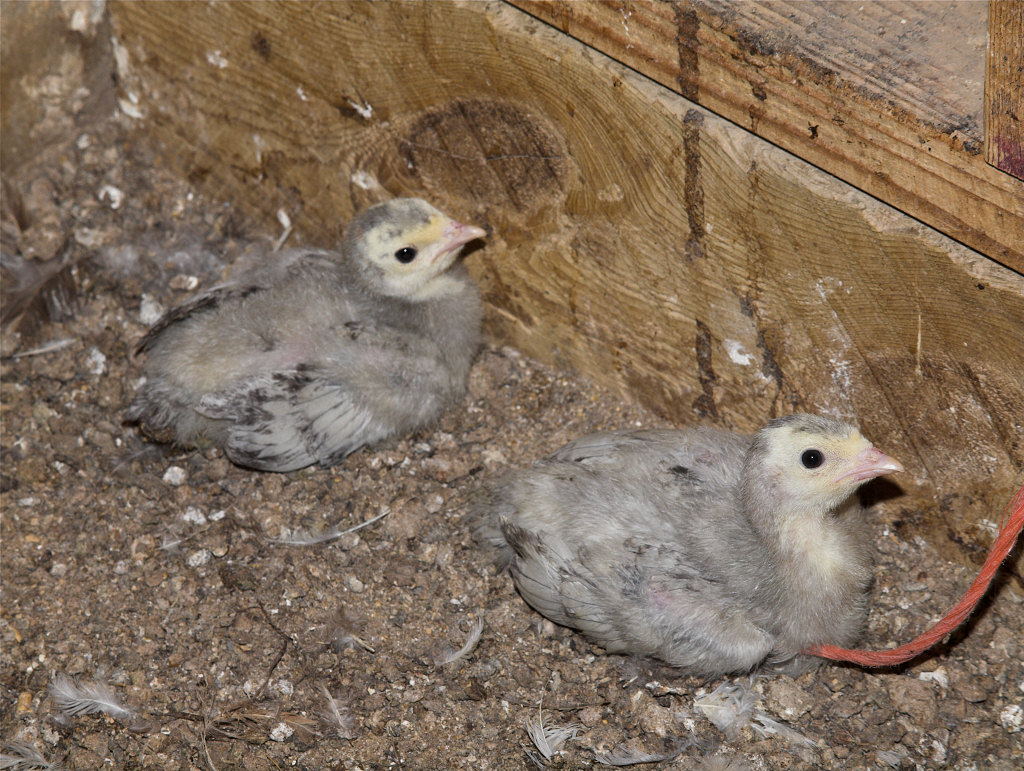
[731,706]
[50,347]
[624,756]
[74,699]
[344,632]
[302,538]
[170,544]
[286,223]
[767,726]
[37,292]
[23,756]
[549,738]
[338,716]
[450,656]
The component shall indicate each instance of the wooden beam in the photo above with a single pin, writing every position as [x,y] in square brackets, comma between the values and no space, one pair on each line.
[1004,87]
[637,238]
[885,95]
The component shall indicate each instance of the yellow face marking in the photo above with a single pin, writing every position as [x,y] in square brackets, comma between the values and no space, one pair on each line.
[423,277]
[424,239]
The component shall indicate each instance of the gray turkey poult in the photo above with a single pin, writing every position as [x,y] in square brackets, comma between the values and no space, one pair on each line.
[711,551]
[320,353]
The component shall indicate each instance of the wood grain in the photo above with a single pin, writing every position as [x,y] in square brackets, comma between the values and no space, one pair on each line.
[885,95]
[636,237]
[1004,87]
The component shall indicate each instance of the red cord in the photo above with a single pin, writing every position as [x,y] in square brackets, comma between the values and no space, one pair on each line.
[1000,548]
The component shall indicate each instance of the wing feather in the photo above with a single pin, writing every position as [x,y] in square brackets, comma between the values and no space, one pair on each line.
[288,420]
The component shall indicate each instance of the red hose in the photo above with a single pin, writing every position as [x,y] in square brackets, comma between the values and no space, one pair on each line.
[1000,548]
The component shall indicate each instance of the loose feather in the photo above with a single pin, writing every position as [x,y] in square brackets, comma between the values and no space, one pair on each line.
[547,737]
[23,756]
[472,639]
[75,699]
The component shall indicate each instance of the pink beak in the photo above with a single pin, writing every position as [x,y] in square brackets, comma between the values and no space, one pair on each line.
[457,235]
[871,463]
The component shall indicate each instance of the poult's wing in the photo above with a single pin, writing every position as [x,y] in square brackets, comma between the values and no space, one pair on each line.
[549,577]
[640,599]
[262,277]
[205,301]
[286,421]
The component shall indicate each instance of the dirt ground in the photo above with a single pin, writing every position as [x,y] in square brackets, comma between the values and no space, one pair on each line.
[156,573]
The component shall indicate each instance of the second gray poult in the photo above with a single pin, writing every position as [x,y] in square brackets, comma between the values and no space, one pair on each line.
[712,551]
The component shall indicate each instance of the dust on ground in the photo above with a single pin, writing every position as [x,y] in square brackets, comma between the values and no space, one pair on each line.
[156,573]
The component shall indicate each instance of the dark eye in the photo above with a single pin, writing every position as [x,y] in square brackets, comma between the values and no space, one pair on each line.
[812,458]
[406,254]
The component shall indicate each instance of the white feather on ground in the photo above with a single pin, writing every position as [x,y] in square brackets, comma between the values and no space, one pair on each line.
[300,537]
[338,716]
[623,756]
[547,737]
[23,756]
[451,656]
[74,699]
[731,706]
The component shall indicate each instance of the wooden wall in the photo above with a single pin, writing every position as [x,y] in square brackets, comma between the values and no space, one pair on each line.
[637,238]
[885,95]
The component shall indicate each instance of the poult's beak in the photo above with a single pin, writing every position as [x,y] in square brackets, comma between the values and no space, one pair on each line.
[868,464]
[457,235]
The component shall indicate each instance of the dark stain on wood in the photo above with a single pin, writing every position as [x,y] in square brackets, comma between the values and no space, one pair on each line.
[261,45]
[693,192]
[1010,157]
[688,76]
[487,150]
[704,404]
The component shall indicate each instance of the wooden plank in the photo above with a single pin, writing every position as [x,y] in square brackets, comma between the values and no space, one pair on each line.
[637,237]
[885,95]
[1004,87]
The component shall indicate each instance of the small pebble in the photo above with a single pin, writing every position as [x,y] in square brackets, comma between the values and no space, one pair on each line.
[175,476]
[281,731]
[113,194]
[184,283]
[96,361]
[198,558]
[150,311]
[1012,718]
[936,676]
[355,585]
[194,515]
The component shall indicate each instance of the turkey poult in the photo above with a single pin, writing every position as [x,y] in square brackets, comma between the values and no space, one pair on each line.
[712,551]
[320,353]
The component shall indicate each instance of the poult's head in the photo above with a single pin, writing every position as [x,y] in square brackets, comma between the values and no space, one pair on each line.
[810,463]
[402,247]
